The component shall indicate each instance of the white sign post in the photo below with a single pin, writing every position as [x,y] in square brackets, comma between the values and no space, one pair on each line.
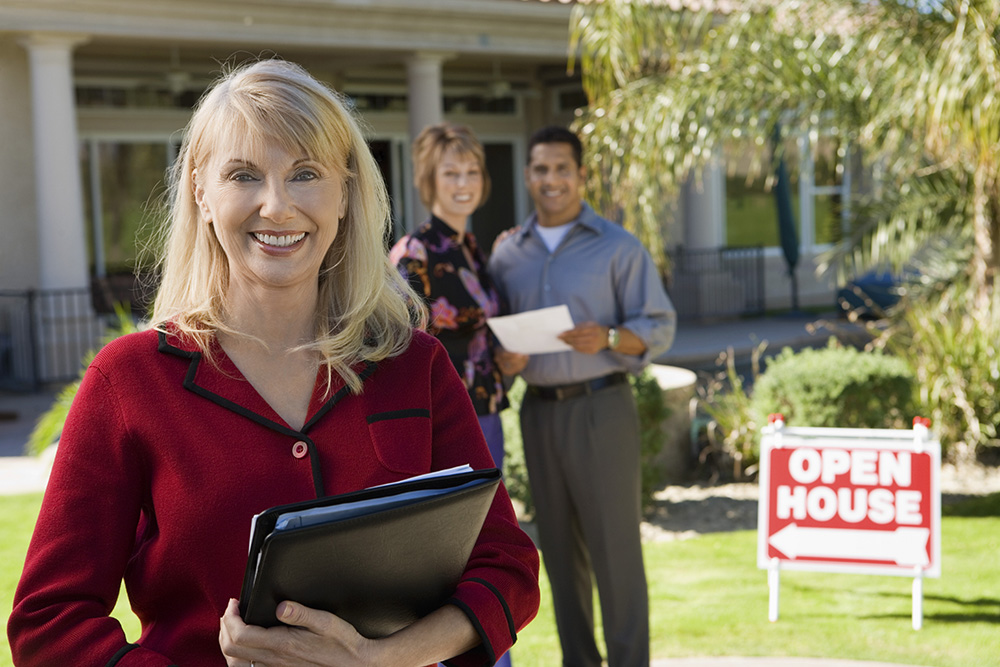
[864,501]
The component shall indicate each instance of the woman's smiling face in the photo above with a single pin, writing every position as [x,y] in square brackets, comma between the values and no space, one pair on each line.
[275,214]
[458,188]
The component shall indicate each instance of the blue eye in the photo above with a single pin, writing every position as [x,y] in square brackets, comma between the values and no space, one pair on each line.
[241,176]
[307,175]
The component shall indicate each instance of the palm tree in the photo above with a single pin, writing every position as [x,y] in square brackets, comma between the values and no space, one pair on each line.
[912,84]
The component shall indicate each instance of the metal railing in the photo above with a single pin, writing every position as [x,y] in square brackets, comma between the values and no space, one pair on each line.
[716,282]
[45,335]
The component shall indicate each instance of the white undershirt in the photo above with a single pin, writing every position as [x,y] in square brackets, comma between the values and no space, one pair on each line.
[553,236]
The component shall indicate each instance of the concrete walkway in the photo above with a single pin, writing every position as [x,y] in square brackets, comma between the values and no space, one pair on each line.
[18,414]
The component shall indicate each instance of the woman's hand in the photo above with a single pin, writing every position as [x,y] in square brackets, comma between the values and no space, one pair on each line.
[503,236]
[509,363]
[320,638]
[310,637]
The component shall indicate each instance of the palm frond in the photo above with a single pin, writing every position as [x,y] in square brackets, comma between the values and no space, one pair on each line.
[912,84]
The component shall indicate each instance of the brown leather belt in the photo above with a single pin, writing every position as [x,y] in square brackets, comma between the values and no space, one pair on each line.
[564,391]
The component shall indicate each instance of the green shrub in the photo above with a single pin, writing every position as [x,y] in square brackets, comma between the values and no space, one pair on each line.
[732,432]
[515,470]
[839,387]
[953,346]
[652,411]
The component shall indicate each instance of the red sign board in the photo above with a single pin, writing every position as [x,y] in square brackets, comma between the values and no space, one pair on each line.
[850,500]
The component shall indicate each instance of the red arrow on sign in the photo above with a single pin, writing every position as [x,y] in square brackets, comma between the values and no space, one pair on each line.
[903,546]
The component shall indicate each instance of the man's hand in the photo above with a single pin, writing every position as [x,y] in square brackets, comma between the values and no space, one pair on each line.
[591,338]
[588,338]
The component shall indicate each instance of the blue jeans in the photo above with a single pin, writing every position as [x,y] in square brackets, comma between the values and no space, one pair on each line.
[493,430]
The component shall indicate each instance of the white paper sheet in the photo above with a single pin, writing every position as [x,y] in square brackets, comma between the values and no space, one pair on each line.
[533,331]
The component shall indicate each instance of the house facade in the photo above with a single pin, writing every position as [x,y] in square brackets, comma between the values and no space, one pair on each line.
[95,94]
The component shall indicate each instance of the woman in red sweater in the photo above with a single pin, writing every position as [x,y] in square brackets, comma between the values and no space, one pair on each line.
[284,366]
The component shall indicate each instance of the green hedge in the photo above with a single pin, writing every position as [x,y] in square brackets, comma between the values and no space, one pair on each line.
[953,344]
[837,387]
[515,471]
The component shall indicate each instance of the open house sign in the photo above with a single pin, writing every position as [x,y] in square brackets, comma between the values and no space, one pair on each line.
[850,500]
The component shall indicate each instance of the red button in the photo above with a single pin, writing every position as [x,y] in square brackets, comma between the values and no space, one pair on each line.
[300,449]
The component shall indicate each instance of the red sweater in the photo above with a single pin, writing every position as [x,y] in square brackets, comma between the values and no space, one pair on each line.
[165,458]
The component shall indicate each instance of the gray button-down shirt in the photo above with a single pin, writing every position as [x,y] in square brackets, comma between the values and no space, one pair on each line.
[603,274]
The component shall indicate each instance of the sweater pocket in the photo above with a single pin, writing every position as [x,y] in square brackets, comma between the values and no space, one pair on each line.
[402,439]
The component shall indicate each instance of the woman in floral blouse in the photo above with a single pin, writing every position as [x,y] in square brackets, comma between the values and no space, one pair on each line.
[443,262]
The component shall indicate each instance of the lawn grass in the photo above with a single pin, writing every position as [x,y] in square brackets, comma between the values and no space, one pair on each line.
[707,597]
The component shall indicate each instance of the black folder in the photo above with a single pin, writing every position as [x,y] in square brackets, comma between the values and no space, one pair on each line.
[381,570]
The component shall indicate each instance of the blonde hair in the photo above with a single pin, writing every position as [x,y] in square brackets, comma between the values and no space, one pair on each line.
[431,145]
[363,311]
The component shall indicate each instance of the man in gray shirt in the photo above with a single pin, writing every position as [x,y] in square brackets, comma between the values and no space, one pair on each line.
[579,422]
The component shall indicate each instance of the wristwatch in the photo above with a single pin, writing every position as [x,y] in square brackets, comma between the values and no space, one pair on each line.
[613,338]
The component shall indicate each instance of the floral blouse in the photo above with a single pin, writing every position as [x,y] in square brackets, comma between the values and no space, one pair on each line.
[460,298]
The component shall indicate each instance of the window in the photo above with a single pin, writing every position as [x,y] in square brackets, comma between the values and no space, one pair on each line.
[828,179]
[124,183]
[751,214]
[818,178]
[147,96]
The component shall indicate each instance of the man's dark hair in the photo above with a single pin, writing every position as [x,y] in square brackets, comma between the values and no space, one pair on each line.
[555,134]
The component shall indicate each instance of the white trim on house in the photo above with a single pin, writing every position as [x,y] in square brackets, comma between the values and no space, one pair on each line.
[180,46]
[359,46]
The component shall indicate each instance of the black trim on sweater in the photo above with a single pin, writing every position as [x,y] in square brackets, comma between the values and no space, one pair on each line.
[366,372]
[314,463]
[398,414]
[491,656]
[120,654]
[503,603]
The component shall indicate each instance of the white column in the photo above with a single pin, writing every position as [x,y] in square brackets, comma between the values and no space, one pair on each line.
[426,107]
[704,203]
[58,191]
